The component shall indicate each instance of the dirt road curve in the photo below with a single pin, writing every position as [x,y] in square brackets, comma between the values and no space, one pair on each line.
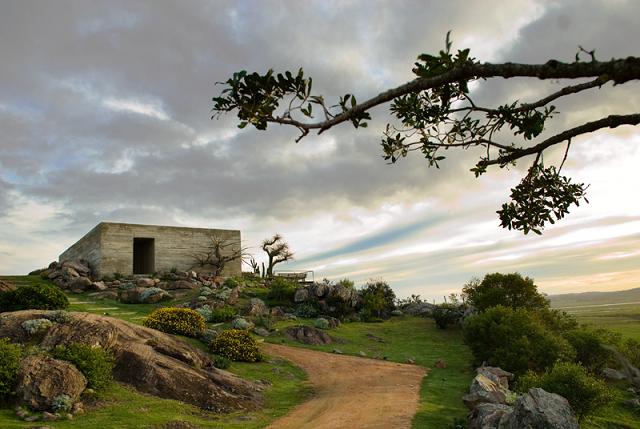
[351,392]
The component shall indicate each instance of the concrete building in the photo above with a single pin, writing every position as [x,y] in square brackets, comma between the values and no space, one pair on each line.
[144,249]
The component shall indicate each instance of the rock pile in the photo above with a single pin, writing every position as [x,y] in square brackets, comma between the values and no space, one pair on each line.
[326,296]
[492,405]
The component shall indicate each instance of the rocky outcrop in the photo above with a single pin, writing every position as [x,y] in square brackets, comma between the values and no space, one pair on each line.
[42,379]
[492,405]
[326,296]
[146,359]
[256,307]
[308,335]
[143,295]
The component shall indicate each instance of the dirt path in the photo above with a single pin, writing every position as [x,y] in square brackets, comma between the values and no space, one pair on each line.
[351,392]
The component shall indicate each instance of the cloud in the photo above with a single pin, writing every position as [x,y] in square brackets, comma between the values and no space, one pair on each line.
[105,115]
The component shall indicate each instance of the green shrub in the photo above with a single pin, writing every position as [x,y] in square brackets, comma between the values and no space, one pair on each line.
[38,297]
[556,320]
[62,404]
[10,355]
[307,311]
[446,315]
[95,363]
[181,321]
[236,345]
[630,348]
[36,326]
[321,323]
[60,316]
[221,362]
[584,392]
[378,299]
[589,345]
[515,340]
[281,290]
[223,314]
[232,282]
[349,284]
[508,290]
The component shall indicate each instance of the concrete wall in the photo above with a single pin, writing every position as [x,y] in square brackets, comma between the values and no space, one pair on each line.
[87,248]
[111,246]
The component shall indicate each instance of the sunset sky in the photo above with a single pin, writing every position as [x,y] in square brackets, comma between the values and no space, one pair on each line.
[105,116]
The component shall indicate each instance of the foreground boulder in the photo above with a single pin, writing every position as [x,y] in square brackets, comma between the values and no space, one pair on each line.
[492,405]
[149,360]
[539,409]
[42,379]
[308,335]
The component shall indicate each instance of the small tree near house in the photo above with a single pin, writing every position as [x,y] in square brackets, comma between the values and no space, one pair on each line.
[277,251]
[218,253]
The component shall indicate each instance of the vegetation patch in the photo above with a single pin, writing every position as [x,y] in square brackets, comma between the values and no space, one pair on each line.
[237,345]
[10,355]
[181,321]
[95,363]
[42,296]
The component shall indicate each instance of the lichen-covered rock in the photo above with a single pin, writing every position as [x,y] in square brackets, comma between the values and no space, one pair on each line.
[241,323]
[131,295]
[301,295]
[539,409]
[308,335]
[153,294]
[487,415]
[42,379]
[148,360]
[79,284]
[256,307]
[145,282]
[484,390]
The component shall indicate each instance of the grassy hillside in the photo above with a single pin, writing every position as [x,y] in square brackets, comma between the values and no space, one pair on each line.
[618,311]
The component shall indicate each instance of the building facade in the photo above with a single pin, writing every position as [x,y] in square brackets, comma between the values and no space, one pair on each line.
[128,249]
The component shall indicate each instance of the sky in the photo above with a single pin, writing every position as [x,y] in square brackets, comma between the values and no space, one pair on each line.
[105,116]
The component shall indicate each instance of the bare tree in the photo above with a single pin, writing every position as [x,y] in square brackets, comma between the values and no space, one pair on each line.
[436,113]
[218,253]
[277,251]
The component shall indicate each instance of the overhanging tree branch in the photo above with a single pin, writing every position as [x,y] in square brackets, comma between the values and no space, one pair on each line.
[436,113]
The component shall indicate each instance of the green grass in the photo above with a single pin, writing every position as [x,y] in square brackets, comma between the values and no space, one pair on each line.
[123,407]
[623,318]
[411,337]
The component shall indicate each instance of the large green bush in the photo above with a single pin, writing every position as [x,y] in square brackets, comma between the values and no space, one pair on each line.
[181,321]
[38,297]
[584,392]
[447,314]
[95,363]
[237,345]
[10,355]
[281,290]
[515,340]
[508,290]
[589,344]
[378,299]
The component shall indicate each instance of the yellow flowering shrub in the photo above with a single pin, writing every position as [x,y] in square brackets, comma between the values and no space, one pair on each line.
[237,345]
[182,321]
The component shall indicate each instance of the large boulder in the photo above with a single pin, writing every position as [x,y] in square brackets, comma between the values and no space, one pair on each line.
[79,266]
[418,308]
[539,409]
[79,284]
[301,295]
[308,335]
[148,360]
[256,307]
[143,295]
[131,295]
[487,415]
[320,290]
[42,379]
[484,390]
[145,282]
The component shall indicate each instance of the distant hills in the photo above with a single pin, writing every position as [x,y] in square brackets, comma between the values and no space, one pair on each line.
[595,298]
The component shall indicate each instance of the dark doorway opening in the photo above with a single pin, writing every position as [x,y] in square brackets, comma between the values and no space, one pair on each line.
[143,255]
